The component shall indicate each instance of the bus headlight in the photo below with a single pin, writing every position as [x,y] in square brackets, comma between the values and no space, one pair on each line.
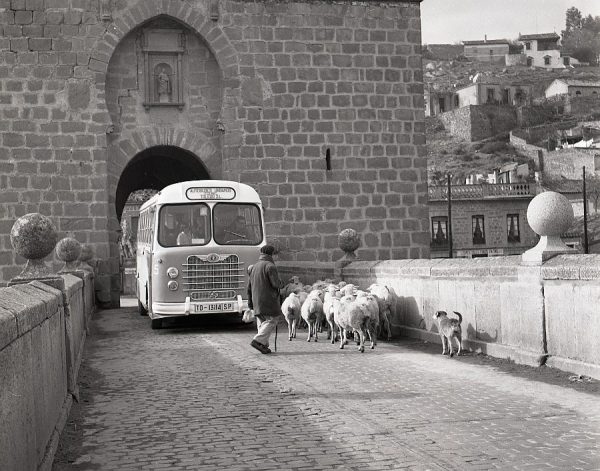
[172,272]
[173,285]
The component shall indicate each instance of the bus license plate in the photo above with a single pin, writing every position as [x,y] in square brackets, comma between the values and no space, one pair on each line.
[214,307]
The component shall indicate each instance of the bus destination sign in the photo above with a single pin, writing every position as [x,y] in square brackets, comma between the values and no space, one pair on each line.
[210,193]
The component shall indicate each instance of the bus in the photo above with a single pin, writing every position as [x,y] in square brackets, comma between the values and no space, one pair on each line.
[195,242]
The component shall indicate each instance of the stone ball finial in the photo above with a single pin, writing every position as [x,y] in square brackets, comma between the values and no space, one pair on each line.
[33,236]
[348,240]
[85,256]
[68,250]
[550,214]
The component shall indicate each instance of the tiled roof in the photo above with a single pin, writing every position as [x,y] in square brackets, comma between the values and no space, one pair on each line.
[483,42]
[525,37]
[581,83]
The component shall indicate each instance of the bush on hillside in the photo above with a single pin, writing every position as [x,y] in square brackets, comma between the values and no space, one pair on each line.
[494,147]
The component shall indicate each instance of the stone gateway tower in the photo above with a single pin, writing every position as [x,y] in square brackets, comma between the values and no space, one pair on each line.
[318,104]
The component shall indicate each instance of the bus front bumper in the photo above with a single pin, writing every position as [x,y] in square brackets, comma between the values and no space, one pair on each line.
[190,307]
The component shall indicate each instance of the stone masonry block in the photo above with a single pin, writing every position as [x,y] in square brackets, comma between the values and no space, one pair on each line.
[40,44]
[23,17]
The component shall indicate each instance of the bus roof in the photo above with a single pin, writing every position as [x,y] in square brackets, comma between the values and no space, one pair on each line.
[204,190]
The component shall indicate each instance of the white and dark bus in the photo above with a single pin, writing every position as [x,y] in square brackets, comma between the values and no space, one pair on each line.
[195,241]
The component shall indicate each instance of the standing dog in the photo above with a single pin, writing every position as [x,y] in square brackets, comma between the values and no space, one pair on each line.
[448,330]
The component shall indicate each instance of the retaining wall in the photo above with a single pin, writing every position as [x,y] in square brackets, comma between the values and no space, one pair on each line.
[477,122]
[42,331]
[530,314]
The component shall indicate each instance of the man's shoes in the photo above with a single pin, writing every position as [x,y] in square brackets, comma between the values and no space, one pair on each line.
[260,347]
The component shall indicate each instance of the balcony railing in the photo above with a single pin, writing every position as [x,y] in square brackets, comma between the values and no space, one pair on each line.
[475,192]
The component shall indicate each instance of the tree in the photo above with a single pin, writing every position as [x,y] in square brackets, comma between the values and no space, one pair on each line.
[573,21]
[581,36]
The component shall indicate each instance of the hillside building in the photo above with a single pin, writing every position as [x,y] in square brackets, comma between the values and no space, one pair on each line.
[487,220]
[573,88]
[542,50]
[481,93]
[487,50]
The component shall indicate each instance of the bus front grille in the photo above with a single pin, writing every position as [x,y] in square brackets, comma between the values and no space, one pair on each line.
[206,273]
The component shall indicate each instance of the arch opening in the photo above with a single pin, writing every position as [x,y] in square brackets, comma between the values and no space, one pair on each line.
[155,168]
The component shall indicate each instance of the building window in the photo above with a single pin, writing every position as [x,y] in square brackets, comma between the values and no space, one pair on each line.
[566,60]
[578,93]
[478,230]
[490,95]
[528,46]
[491,52]
[547,60]
[439,231]
[442,104]
[529,61]
[512,227]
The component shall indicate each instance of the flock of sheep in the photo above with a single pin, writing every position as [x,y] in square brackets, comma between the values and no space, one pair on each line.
[346,309]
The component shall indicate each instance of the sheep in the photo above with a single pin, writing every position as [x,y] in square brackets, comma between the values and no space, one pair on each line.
[384,300]
[353,316]
[312,313]
[291,311]
[294,286]
[369,302]
[348,289]
[302,295]
[330,302]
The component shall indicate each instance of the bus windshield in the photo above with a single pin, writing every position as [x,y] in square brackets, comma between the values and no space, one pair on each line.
[237,224]
[184,224]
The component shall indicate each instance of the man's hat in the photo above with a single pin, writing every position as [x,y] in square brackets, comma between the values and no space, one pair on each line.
[267,250]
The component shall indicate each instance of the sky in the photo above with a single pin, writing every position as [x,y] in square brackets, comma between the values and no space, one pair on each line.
[451,21]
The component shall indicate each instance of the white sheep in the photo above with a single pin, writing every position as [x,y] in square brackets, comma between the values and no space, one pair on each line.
[291,307]
[312,313]
[353,316]
[294,286]
[348,289]
[384,298]
[369,302]
[330,302]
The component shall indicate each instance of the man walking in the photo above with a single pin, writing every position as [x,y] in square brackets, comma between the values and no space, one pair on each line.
[263,296]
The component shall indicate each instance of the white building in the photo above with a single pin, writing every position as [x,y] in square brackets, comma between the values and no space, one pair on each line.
[543,50]
[573,88]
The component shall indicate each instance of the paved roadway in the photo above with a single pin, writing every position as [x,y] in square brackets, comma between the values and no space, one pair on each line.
[200,398]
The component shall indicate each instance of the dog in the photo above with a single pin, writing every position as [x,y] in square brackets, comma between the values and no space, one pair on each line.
[448,330]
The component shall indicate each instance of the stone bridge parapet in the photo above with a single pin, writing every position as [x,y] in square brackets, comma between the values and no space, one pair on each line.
[545,314]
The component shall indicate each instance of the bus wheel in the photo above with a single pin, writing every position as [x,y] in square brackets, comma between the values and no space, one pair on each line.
[142,310]
[156,323]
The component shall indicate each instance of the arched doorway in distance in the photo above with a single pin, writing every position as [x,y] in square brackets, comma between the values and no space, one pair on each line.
[147,173]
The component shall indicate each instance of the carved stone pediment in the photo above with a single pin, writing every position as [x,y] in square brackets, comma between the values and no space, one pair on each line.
[163,51]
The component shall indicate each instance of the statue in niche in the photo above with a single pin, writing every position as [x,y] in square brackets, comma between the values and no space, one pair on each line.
[163,86]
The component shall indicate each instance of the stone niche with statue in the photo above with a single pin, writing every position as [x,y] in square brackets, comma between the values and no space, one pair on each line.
[163,51]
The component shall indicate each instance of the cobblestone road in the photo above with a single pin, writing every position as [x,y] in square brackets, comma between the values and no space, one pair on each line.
[199,398]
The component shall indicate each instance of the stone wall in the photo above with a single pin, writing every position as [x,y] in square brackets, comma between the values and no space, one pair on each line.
[477,122]
[270,89]
[529,314]
[533,152]
[42,330]
[568,163]
[458,122]
[583,105]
